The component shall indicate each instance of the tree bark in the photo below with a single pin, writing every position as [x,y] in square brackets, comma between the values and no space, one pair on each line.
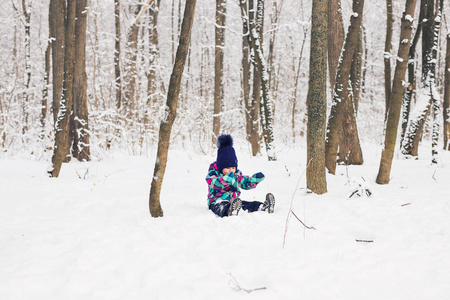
[117,53]
[316,99]
[422,110]
[446,109]
[336,36]
[261,64]
[57,35]
[341,89]
[221,10]
[396,94]
[387,54]
[171,110]
[80,149]
[62,142]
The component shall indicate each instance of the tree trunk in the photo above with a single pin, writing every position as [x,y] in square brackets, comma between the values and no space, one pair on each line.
[221,10]
[171,110]
[251,105]
[446,109]
[421,111]
[350,152]
[411,86]
[341,88]
[336,36]
[117,53]
[316,99]
[153,59]
[62,142]
[81,148]
[57,15]
[44,107]
[436,99]
[261,64]
[387,54]
[396,94]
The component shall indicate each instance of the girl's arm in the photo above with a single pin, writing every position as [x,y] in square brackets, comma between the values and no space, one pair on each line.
[247,182]
[219,182]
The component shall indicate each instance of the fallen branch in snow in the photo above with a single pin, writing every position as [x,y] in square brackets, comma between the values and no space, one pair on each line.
[406,204]
[238,287]
[364,241]
[307,227]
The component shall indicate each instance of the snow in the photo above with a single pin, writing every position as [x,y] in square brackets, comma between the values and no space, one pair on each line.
[93,238]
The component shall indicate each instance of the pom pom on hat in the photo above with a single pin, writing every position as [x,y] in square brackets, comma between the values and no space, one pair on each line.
[226,156]
[224,140]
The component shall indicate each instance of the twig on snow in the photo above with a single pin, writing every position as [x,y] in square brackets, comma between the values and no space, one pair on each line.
[238,287]
[307,227]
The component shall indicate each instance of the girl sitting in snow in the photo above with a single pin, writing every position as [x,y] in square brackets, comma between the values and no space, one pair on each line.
[225,182]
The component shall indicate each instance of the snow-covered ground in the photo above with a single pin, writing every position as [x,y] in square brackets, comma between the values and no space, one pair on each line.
[89,235]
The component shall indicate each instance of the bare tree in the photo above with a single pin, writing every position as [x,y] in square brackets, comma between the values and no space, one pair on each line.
[387,53]
[117,51]
[428,93]
[57,13]
[62,142]
[316,99]
[336,36]
[342,90]
[267,106]
[221,13]
[396,94]
[171,110]
[80,147]
[446,109]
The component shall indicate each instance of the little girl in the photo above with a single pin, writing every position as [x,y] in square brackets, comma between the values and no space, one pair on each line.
[225,182]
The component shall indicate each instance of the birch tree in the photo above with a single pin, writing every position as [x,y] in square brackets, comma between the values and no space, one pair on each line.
[171,110]
[393,116]
[117,52]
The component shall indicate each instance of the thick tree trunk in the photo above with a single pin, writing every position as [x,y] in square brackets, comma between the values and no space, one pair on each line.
[316,99]
[221,10]
[387,54]
[446,109]
[81,148]
[57,35]
[171,110]
[62,142]
[336,36]
[341,89]
[396,94]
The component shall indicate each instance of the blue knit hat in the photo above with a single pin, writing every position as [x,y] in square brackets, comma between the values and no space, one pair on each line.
[226,156]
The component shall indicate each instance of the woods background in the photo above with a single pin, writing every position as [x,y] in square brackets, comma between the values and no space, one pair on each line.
[130,122]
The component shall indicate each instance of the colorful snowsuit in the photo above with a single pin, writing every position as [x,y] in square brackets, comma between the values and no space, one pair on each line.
[225,188]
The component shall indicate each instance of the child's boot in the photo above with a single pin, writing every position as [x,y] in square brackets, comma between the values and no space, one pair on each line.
[235,206]
[269,204]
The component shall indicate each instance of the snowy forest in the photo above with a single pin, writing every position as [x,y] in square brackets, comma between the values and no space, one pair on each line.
[130,51]
[110,109]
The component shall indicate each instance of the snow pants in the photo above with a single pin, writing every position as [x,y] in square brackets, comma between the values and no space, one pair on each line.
[221,208]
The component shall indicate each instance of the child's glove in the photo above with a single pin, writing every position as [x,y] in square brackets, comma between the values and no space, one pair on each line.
[258,177]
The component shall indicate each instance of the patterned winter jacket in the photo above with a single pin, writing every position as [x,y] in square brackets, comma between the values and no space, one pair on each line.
[228,187]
